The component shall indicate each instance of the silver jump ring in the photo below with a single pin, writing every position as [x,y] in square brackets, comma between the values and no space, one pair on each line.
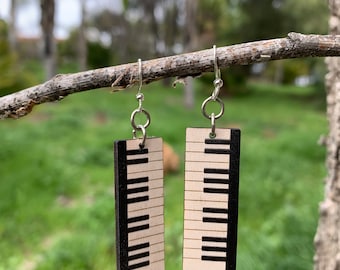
[134,132]
[213,126]
[133,115]
[204,104]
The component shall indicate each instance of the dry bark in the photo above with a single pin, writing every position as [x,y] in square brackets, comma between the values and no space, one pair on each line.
[191,64]
[327,239]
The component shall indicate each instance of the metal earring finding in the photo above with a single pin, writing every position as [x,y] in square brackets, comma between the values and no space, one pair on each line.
[218,83]
[140,110]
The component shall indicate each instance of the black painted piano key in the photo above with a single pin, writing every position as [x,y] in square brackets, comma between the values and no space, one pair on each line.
[139,246]
[139,265]
[214,258]
[137,161]
[217,141]
[137,199]
[139,255]
[216,190]
[138,218]
[214,239]
[217,171]
[138,228]
[217,151]
[215,210]
[217,249]
[139,180]
[214,220]
[137,190]
[215,181]
[137,152]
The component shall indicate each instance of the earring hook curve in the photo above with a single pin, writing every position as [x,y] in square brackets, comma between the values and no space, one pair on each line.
[216,68]
[140,75]
[218,82]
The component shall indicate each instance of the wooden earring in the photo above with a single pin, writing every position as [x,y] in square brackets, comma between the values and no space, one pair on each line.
[211,191]
[139,196]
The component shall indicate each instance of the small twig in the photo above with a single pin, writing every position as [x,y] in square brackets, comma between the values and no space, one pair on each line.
[294,46]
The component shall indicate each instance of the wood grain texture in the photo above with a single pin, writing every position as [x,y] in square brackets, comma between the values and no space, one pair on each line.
[295,45]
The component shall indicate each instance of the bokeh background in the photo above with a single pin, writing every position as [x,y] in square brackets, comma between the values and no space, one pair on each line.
[56,164]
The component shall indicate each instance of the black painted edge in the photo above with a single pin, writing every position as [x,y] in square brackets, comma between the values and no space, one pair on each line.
[233,198]
[120,175]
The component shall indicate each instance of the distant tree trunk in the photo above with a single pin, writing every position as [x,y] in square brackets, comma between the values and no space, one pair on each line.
[149,9]
[171,33]
[82,42]
[122,48]
[327,239]
[170,27]
[191,41]
[12,33]
[49,44]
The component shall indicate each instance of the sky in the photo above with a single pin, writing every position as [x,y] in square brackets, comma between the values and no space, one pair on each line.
[67,15]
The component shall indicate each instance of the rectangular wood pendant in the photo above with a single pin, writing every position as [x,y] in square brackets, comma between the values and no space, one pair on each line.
[211,199]
[139,201]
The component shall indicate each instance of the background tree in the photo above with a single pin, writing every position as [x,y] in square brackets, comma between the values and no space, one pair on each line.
[255,20]
[12,32]
[327,242]
[172,34]
[147,9]
[12,75]
[49,44]
[82,42]
[117,28]
[191,44]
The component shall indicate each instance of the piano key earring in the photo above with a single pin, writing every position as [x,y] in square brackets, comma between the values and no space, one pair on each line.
[211,190]
[139,195]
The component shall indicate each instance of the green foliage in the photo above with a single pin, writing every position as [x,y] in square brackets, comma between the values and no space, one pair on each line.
[56,185]
[260,20]
[98,56]
[256,20]
[304,14]
[67,49]
[251,20]
[214,21]
[12,76]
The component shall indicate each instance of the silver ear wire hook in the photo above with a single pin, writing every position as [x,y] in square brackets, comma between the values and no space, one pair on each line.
[140,96]
[218,83]
[217,70]
[140,75]
[140,109]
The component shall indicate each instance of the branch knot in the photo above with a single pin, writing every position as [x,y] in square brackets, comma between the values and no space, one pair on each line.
[295,37]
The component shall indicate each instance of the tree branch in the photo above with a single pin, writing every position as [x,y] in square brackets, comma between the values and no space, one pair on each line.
[191,64]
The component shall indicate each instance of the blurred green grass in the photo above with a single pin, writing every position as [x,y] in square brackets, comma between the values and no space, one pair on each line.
[56,185]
